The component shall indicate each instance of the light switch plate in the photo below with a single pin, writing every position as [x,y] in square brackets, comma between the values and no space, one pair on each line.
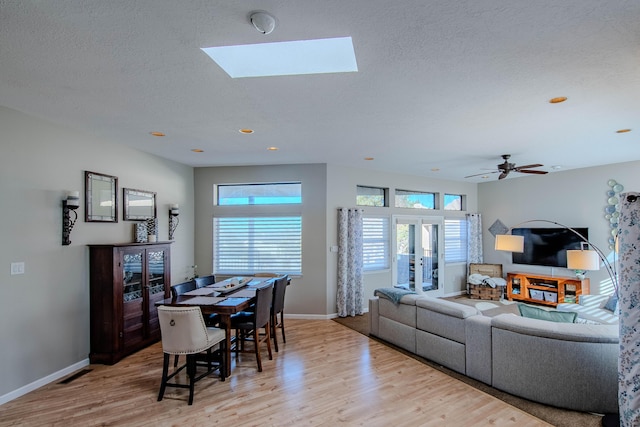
[17,268]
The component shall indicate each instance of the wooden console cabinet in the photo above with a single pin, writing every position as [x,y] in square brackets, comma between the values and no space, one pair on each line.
[546,290]
[125,282]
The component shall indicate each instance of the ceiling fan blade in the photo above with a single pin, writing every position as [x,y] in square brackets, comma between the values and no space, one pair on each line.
[530,171]
[479,174]
[528,166]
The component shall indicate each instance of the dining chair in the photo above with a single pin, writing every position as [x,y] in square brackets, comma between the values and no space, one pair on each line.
[250,323]
[183,331]
[277,307]
[181,288]
[201,282]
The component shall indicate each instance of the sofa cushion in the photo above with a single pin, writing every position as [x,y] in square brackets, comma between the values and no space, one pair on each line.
[443,318]
[554,330]
[612,304]
[549,315]
[404,312]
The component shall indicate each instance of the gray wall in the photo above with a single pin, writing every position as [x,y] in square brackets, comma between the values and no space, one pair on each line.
[575,198]
[341,190]
[45,312]
[307,294]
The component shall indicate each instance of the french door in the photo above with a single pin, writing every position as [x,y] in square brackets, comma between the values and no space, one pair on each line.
[417,254]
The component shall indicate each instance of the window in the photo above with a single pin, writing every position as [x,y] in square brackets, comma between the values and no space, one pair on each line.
[415,199]
[375,242]
[371,196]
[246,245]
[455,240]
[454,202]
[259,194]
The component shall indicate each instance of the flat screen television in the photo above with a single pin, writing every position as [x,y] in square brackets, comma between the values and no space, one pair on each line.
[547,246]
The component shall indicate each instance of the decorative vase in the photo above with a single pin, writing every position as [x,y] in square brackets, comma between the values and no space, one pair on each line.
[140,232]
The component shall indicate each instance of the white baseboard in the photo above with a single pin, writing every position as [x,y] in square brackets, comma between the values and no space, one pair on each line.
[317,316]
[42,381]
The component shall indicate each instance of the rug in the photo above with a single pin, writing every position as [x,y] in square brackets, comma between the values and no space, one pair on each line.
[554,416]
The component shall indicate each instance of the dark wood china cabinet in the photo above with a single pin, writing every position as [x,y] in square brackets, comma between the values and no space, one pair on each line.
[126,280]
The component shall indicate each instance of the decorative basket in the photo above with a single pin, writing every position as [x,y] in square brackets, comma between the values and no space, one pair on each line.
[485,291]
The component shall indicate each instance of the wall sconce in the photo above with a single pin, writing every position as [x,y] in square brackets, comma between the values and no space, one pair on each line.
[69,206]
[173,219]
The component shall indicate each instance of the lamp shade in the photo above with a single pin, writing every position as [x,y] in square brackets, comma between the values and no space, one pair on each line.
[583,260]
[509,242]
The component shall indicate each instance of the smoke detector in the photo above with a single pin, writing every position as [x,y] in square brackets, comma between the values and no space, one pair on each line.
[263,22]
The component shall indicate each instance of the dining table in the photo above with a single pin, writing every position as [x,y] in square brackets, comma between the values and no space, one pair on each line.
[224,298]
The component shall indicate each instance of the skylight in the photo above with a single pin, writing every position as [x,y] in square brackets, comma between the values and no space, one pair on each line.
[334,55]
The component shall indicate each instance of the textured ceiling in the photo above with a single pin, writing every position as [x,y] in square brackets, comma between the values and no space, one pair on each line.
[441,84]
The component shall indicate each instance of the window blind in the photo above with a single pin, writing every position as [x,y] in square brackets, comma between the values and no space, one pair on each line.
[455,240]
[246,245]
[375,243]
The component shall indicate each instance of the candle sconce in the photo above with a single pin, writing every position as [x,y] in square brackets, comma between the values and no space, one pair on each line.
[69,215]
[173,219]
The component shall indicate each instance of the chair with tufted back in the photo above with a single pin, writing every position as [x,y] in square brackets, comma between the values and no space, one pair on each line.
[184,332]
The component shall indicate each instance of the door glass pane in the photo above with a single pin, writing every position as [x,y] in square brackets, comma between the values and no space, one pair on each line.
[132,276]
[156,271]
[429,257]
[406,257]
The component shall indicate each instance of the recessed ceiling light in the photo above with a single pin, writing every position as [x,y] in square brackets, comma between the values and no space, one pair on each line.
[368,158]
[435,169]
[246,131]
[556,167]
[623,131]
[272,148]
[197,150]
[157,133]
[332,55]
[485,177]
[558,99]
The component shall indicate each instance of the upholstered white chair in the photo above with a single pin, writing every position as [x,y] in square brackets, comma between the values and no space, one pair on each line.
[184,332]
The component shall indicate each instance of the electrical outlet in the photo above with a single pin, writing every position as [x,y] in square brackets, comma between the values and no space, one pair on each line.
[17,268]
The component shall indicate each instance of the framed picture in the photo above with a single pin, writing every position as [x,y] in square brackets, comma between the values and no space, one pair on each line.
[138,204]
[101,203]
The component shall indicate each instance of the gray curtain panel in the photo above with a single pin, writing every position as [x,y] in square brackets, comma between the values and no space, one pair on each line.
[629,309]
[350,296]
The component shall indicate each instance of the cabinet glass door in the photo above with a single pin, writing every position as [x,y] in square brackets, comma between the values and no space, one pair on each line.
[156,271]
[132,276]
[156,285]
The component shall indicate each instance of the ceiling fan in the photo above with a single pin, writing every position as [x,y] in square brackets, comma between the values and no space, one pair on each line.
[506,167]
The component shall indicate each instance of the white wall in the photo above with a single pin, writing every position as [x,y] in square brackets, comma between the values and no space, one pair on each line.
[45,312]
[575,198]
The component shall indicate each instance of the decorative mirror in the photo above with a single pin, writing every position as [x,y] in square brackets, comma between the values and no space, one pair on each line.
[138,204]
[101,203]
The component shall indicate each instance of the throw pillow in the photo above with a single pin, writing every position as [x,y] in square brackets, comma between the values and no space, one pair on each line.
[612,304]
[549,315]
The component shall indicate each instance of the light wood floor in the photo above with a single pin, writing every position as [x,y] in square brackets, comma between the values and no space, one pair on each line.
[325,375]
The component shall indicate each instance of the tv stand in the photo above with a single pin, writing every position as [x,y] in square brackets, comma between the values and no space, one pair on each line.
[545,290]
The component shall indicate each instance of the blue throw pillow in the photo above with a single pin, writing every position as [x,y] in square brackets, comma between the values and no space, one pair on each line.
[612,303]
[549,315]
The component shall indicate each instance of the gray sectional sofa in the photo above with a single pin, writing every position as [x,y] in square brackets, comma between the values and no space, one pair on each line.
[567,365]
